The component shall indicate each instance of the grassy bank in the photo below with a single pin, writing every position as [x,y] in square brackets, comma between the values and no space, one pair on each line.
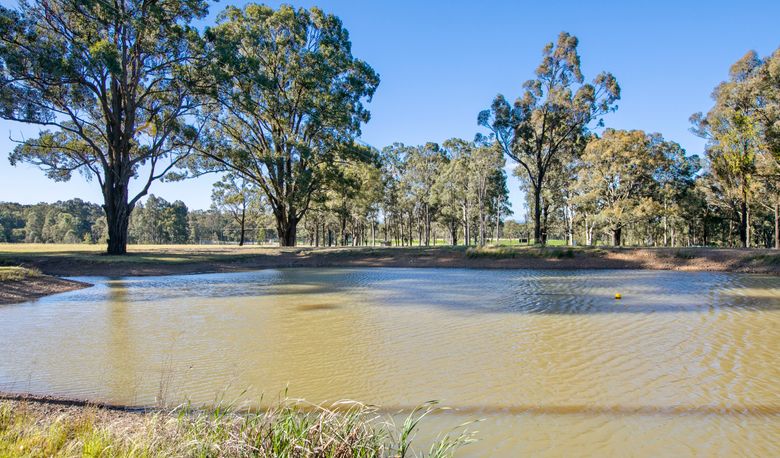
[17,273]
[39,429]
[19,284]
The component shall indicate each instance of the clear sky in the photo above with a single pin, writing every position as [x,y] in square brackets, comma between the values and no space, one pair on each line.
[441,62]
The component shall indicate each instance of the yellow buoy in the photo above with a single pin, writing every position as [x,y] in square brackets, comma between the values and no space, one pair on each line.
[618,296]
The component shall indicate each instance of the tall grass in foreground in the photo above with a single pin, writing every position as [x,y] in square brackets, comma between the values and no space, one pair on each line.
[346,429]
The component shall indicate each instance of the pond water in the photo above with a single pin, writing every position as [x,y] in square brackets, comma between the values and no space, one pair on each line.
[685,363]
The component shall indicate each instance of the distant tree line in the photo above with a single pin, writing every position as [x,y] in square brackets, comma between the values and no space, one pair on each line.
[155,221]
[71,221]
[129,92]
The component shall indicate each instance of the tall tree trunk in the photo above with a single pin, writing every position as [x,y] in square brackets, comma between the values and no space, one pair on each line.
[587,230]
[427,225]
[411,229]
[481,223]
[243,227]
[617,233]
[117,230]
[538,215]
[466,233]
[454,233]
[287,229]
[498,219]
[666,225]
[743,216]
[117,209]
[777,224]
[545,216]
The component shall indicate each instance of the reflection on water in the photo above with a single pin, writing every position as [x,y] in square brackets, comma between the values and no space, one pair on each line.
[684,364]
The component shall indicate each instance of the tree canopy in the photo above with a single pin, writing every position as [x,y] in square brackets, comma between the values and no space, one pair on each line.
[284,102]
[109,80]
[551,117]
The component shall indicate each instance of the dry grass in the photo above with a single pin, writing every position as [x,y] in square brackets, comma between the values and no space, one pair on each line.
[26,253]
[290,429]
[17,273]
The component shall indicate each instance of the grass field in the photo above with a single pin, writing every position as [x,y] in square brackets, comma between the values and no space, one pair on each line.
[15,253]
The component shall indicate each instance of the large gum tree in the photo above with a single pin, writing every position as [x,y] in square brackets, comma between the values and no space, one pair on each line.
[106,82]
[285,103]
[551,116]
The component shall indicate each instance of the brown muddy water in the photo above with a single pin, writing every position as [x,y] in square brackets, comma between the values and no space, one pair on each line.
[684,364]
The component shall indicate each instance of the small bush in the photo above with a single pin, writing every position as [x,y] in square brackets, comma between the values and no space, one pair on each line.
[680,254]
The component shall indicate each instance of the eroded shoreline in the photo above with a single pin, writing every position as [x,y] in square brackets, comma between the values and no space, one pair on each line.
[184,259]
[15,291]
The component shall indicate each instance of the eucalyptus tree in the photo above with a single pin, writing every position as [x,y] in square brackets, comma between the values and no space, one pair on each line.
[754,88]
[551,116]
[676,180]
[108,79]
[240,199]
[423,166]
[733,139]
[159,221]
[617,174]
[556,204]
[765,82]
[769,169]
[401,204]
[487,181]
[769,84]
[286,103]
[451,190]
[354,200]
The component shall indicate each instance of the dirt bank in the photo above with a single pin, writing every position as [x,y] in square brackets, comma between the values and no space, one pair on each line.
[13,291]
[199,259]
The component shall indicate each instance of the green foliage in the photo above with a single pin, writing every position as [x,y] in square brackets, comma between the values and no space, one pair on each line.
[71,221]
[551,117]
[741,133]
[619,177]
[109,79]
[159,222]
[285,103]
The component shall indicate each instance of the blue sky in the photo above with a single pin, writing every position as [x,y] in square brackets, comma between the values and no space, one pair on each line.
[442,62]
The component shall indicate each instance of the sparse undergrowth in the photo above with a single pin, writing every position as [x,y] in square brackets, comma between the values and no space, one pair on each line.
[765,259]
[504,252]
[346,429]
[685,254]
